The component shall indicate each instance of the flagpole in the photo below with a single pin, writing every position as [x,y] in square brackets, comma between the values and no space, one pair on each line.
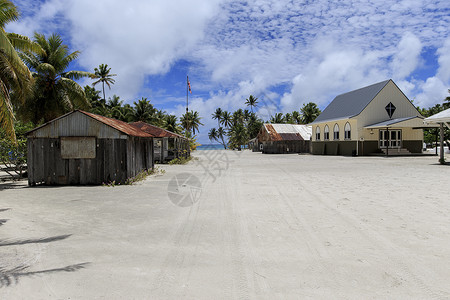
[187,94]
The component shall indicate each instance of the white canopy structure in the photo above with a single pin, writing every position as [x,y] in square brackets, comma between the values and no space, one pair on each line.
[442,118]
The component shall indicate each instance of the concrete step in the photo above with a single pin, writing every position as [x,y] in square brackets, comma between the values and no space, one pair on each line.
[396,151]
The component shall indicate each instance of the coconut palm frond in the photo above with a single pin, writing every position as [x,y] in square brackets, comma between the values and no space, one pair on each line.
[75,75]
[24,43]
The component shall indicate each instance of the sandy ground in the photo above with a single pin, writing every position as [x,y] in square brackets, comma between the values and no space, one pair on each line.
[236,226]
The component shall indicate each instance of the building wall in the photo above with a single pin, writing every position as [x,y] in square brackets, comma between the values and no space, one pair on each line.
[139,155]
[341,124]
[45,164]
[284,147]
[77,124]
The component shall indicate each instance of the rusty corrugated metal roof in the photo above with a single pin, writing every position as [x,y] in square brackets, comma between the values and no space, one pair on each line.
[288,132]
[291,137]
[155,130]
[122,126]
[274,136]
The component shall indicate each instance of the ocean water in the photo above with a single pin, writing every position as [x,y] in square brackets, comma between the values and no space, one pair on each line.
[210,147]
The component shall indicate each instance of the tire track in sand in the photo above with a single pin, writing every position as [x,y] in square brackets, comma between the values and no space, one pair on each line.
[392,252]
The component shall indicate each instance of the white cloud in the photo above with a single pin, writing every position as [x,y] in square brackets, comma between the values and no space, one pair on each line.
[332,72]
[444,61]
[407,56]
[433,91]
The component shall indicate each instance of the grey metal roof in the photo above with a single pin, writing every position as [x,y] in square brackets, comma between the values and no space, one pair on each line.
[390,122]
[350,104]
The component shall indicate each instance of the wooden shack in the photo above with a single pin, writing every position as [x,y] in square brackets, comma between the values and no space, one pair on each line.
[167,145]
[85,148]
[284,138]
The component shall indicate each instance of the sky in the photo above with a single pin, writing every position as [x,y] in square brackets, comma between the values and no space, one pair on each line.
[285,53]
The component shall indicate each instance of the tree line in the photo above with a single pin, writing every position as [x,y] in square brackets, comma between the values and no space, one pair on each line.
[237,128]
[431,135]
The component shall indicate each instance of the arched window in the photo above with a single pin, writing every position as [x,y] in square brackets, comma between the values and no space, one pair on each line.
[347,131]
[317,133]
[326,133]
[336,132]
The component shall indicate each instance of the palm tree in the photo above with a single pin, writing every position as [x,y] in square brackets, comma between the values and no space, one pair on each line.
[102,74]
[217,115]
[195,117]
[143,111]
[310,112]
[278,118]
[254,125]
[114,102]
[447,101]
[221,133]
[124,113]
[171,124]
[114,106]
[226,120]
[190,121]
[159,118]
[289,119]
[15,78]
[55,91]
[247,114]
[297,117]
[252,102]
[238,116]
[238,135]
[212,134]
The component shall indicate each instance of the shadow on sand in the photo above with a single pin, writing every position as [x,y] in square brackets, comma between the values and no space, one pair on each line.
[33,241]
[12,184]
[12,276]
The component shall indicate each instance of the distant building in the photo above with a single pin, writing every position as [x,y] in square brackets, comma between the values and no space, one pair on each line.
[374,119]
[85,148]
[283,138]
[167,145]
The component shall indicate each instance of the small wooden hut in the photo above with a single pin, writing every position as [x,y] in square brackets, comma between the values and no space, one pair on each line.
[167,144]
[85,148]
[284,138]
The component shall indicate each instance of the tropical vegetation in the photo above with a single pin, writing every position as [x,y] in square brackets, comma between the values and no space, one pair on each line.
[55,90]
[102,73]
[237,128]
[15,78]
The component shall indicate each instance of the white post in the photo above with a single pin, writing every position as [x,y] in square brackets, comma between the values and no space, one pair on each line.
[441,142]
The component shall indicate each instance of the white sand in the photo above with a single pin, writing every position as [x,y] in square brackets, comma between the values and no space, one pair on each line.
[263,226]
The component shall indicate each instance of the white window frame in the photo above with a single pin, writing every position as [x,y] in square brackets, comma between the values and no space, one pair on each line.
[336,132]
[317,133]
[326,133]
[347,131]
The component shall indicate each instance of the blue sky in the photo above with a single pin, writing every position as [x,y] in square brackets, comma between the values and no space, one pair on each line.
[284,52]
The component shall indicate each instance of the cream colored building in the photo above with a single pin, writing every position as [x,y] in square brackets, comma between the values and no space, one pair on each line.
[374,119]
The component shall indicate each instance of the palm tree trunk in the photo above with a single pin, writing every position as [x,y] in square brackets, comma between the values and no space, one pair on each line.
[104,99]
[223,142]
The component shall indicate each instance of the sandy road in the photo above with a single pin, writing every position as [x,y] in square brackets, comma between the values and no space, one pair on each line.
[262,226]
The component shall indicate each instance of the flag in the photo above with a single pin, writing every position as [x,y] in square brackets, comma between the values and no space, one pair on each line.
[189,85]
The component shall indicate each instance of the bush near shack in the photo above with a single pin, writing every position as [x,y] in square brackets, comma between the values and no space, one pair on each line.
[13,155]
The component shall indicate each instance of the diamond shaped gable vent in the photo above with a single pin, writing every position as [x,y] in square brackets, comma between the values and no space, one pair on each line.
[390,108]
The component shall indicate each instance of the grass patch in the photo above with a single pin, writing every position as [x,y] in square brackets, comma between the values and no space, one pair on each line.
[139,177]
[181,160]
